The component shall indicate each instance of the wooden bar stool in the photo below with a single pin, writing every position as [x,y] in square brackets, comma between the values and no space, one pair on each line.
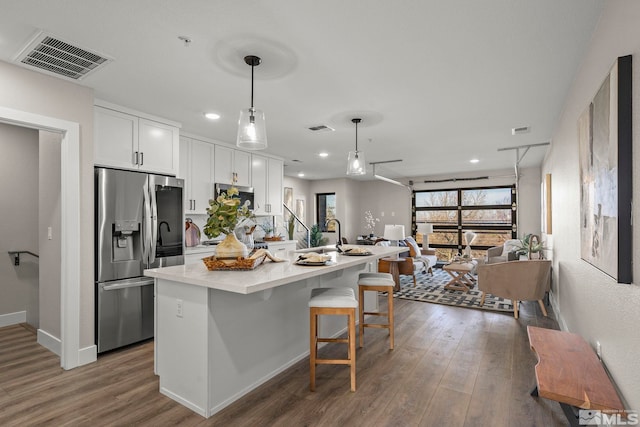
[332,301]
[379,282]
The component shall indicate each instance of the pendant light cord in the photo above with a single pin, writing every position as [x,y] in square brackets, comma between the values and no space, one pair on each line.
[252,67]
[356,137]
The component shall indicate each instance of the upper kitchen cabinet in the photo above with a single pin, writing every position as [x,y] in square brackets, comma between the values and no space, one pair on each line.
[266,179]
[127,141]
[196,168]
[232,166]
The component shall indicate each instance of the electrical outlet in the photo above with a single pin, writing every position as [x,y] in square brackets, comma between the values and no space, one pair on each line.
[179,304]
[393,214]
[49,233]
[382,213]
[599,350]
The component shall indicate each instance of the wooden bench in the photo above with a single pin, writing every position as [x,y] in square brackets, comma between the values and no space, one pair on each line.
[569,372]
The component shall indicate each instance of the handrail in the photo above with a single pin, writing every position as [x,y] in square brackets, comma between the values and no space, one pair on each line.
[16,256]
[301,223]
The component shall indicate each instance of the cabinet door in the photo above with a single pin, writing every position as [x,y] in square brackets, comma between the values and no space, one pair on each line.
[201,179]
[275,172]
[242,168]
[115,138]
[158,145]
[280,249]
[223,169]
[259,184]
[183,172]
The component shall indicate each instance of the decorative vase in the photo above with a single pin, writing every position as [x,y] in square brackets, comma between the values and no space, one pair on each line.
[231,247]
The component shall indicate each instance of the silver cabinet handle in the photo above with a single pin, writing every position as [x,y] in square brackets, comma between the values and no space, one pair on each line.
[135,157]
[194,204]
[141,158]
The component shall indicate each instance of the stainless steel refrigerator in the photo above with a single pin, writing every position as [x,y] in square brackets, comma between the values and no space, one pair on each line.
[139,224]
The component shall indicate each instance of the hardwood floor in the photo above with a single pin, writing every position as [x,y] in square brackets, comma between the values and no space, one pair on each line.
[450,367]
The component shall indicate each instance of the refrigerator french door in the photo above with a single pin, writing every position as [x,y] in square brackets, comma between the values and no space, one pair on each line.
[139,225]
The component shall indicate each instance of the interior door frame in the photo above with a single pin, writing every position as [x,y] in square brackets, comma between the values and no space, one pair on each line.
[70,226]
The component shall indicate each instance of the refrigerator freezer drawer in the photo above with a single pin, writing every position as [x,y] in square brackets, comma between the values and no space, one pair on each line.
[125,313]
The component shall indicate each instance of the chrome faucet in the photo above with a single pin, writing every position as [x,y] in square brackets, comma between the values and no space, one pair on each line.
[160,231]
[339,242]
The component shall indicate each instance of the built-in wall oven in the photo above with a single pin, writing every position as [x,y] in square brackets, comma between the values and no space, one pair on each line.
[139,225]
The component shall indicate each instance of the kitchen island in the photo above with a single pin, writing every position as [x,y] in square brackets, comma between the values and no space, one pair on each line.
[220,334]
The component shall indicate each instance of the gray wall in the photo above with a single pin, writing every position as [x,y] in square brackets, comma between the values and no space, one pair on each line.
[37,93]
[49,216]
[589,302]
[19,213]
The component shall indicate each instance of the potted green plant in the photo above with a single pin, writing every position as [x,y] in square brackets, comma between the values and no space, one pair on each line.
[225,214]
[531,247]
[316,236]
[291,224]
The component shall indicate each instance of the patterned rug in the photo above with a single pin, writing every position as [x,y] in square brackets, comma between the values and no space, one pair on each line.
[431,289]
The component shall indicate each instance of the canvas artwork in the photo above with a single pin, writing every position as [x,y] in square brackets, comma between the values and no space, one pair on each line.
[605,195]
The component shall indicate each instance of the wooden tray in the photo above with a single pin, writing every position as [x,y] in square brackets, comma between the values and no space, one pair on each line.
[274,239]
[239,264]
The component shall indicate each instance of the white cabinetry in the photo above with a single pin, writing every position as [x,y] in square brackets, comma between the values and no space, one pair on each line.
[195,255]
[126,141]
[282,248]
[196,168]
[266,180]
[232,166]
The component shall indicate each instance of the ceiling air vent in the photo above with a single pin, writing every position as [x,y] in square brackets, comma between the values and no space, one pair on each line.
[54,56]
[321,128]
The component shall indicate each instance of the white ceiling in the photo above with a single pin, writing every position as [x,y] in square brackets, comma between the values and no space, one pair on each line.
[436,82]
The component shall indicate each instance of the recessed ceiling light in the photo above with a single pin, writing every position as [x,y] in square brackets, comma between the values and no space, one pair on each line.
[212,116]
[300,174]
[323,154]
[474,161]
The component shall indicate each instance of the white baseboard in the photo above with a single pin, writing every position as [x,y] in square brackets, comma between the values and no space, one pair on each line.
[50,342]
[13,318]
[87,355]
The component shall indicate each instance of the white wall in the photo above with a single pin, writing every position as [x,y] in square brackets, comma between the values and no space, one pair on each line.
[18,230]
[49,216]
[33,92]
[589,302]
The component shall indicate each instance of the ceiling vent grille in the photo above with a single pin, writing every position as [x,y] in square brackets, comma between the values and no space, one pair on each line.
[54,56]
[321,128]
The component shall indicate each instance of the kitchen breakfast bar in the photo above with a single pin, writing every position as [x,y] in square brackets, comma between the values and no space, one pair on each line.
[220,334]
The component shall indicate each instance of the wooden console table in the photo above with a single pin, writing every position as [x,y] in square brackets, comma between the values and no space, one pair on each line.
[569,372]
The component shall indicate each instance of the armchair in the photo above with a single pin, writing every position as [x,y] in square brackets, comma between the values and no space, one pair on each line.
[424,259]
[516,280]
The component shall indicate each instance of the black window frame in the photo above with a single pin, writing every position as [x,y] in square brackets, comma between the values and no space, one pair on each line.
[460,207]
[321,218]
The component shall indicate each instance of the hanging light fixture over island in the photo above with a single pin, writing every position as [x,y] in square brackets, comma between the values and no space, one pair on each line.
[252,131]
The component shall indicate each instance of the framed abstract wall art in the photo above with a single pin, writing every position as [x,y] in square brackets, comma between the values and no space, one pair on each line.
[604,135]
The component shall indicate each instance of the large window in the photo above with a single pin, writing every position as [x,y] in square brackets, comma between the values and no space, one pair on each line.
[490,212]
[326,210]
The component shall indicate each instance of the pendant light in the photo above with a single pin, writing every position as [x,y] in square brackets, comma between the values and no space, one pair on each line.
[252,132]
[355,163]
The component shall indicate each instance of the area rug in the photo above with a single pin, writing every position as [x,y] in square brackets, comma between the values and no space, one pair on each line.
[431,289]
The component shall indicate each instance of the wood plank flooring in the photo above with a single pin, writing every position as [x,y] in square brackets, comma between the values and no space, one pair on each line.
[450,367]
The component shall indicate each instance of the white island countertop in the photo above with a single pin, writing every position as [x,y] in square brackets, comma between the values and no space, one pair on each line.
[267,275]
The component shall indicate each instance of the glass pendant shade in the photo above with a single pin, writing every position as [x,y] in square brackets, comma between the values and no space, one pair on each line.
[356,164]
[252,131]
